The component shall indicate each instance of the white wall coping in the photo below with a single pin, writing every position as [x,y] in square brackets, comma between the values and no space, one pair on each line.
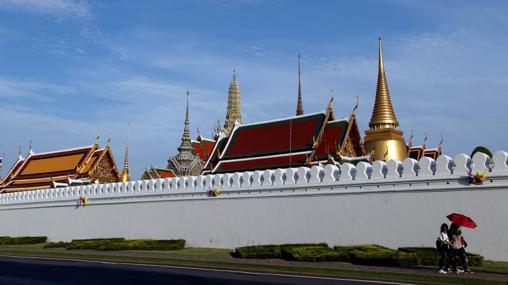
[444,174]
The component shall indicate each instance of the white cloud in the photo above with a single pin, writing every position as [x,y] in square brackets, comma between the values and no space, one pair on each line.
[13,88]
[72,8]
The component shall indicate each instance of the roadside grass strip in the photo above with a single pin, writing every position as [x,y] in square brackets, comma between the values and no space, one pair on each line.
[311,271]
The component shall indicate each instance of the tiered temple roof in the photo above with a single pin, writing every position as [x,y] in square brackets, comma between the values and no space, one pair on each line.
[155,173]
[46,170]
[288,142]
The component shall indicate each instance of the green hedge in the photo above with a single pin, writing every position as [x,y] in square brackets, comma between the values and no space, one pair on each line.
[368,254]
[429,256]
[144,244]
[286,250]
[112,244]
[311,252]
[382,256]
[60,244]
[92,243]
[22,240]
[258,252]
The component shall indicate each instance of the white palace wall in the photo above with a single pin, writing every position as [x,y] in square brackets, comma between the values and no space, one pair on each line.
[392,204]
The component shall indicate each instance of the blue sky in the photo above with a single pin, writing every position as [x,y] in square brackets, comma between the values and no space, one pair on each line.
[69,68]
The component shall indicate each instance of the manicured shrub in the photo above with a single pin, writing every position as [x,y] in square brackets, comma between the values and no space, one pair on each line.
[92,243]
[428,256]
[286,250]
[474,259]
[60,244]
[22,240]
[311,253]
[111,244]
[382,257]
[143,244]
[258,251]
[406,259]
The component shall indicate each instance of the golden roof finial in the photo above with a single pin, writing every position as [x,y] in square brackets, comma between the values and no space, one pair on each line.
[356,106]
[98,137]
[439,148]
[30,150]
[20,157]
[109,139]
[125,173]
[383,115]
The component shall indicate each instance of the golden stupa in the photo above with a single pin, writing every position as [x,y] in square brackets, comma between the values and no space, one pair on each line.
[384,139]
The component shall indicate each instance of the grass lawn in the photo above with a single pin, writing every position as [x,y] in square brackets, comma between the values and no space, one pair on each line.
[190,251]
[24,246]
[492,267]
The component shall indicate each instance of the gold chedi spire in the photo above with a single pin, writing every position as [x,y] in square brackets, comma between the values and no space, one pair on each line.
[384,139]
[299,104]
[383,115]
[125,173]
[234,112]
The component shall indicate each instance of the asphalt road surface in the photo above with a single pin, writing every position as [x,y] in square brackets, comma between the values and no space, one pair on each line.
[23,271]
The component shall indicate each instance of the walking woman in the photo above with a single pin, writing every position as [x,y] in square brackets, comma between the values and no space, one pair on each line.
[443,247]
[455,236]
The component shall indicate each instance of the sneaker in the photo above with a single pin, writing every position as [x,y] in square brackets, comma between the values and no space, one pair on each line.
[442,271]
[459,271]
[468,271]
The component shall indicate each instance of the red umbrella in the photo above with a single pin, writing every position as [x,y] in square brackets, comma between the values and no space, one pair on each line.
[462,220]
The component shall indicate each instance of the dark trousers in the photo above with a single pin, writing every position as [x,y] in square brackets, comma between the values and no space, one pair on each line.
[461,253]
[446,259]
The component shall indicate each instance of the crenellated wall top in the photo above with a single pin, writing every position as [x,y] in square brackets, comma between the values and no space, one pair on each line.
[379,173]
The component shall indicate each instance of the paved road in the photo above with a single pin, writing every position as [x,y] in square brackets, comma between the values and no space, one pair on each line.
[24,271]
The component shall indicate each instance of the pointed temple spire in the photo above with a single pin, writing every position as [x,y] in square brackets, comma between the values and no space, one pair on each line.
[186,139]
[299,104]
[186,162]
[384,139]
[383,115]
[234,112]
[125,172]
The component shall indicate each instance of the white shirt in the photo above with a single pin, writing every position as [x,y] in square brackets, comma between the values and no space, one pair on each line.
[443,237]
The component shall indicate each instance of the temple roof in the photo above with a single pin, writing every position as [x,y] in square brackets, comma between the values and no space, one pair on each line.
[216,151]
[332,139]
[286,135]
[155,173]
[203,147]
[287,142]
[39,170]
